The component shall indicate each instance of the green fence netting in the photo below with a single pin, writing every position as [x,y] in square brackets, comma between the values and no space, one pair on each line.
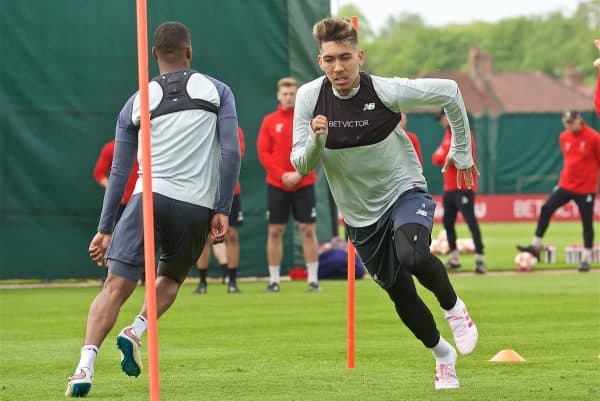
[69,66]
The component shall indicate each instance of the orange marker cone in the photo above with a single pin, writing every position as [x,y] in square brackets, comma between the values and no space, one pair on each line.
[507,355]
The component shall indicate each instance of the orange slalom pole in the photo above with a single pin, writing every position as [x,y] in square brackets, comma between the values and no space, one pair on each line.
[350,308]
[351,290]
[148,207]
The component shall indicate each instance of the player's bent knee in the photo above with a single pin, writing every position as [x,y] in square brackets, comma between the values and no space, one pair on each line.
[412,245]
[403,300]
[405,254]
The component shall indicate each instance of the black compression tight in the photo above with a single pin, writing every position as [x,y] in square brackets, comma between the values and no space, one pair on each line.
[412,249]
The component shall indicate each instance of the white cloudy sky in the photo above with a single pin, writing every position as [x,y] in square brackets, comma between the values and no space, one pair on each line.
[443,12]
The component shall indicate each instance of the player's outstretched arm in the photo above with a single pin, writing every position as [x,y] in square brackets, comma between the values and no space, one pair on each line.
[431,92]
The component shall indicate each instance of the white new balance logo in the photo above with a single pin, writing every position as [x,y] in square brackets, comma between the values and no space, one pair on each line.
[422,212]
[369,106]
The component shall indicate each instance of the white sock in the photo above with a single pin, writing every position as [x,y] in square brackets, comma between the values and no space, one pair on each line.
[140,324]
[442,351]
[454,254]
[537,242]
[274,274]
[479,257]
[313,272]
[586,255]
[88,357]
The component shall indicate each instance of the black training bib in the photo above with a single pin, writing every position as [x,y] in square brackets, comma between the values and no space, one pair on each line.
[358,121]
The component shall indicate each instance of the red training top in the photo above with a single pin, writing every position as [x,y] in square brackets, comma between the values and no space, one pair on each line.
[416,144]
[238,188]
[274,146]
[439,157]
[581,153]
[103,165]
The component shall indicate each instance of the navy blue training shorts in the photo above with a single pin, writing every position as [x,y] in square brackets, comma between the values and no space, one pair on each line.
[375,243]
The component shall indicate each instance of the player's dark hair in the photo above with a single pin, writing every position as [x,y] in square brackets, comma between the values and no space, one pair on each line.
[335,30]
[171,39]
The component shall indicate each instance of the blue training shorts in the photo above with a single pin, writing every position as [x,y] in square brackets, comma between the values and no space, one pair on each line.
[180,232]
[375,243]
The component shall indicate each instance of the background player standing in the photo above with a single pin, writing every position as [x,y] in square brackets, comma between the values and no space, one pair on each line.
[286,189]
[227,253]
[457,197]
[580,146]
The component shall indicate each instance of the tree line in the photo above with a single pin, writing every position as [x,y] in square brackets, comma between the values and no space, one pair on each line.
[407,47]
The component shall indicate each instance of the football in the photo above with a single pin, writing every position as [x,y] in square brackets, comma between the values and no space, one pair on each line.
[525,262]
[439,247]
[465,245]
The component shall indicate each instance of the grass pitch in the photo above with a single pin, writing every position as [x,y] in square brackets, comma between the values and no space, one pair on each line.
[291,345]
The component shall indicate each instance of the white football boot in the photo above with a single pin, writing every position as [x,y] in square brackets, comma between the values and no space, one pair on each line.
[131,351]
[79,383]
[463,329]
[445,374]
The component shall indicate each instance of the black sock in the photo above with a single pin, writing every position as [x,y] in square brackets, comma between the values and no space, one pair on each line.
[224,269]
[232,271]
[202,273]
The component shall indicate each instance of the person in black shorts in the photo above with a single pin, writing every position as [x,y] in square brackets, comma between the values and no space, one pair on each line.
[458,198]
[232,243]
[226,253]
[287,190]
